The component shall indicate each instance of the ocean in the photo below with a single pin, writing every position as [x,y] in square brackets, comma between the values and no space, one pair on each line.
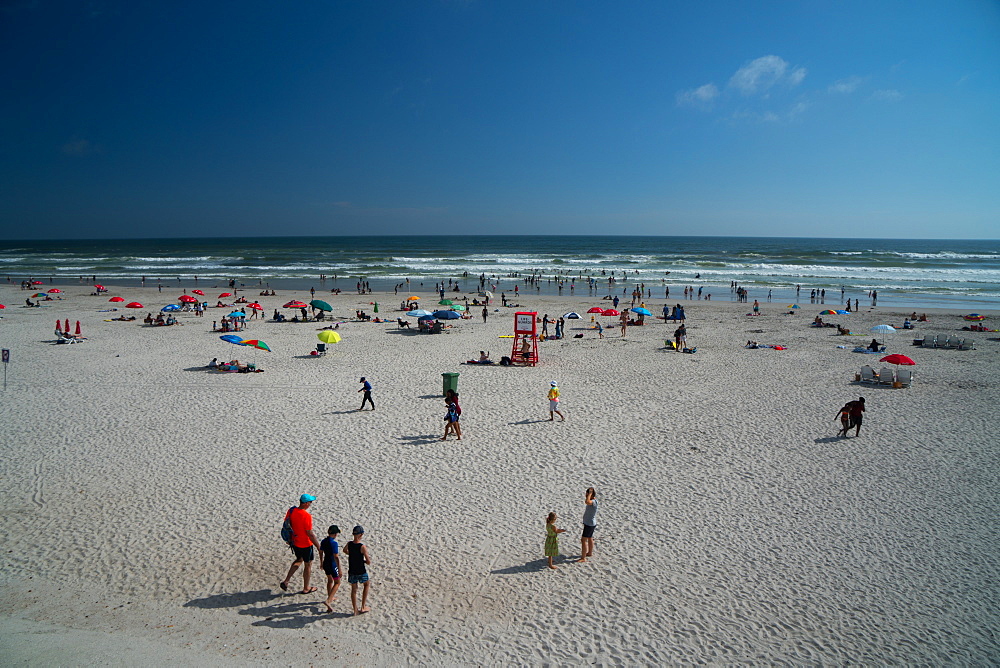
[906,272]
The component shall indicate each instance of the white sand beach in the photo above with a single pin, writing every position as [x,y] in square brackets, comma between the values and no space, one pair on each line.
[142,494]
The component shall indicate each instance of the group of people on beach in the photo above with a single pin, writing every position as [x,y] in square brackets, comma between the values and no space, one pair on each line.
[297,531]
[587,537]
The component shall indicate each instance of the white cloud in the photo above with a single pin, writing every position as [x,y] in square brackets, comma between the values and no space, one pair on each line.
[698,97]
[887,95]
[761,74]
[848,85]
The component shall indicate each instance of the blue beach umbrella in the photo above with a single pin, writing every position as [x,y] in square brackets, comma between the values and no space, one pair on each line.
[419,313]
[426,318]
[170,307]
[641,311]
[232,338]
[237,314]
[446,315]
[841,311]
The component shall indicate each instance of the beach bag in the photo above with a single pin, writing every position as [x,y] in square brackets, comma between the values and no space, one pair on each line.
[286,527]
[505,361]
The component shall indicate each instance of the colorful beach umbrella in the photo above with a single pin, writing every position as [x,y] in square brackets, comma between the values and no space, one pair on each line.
[974,317]
[133,305]
[828,312]
[256,343]
[117,299]
[329,336]
[792,306]
[321,305]
[295,304]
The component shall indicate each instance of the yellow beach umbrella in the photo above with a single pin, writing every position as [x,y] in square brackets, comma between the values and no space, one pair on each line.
[328,336]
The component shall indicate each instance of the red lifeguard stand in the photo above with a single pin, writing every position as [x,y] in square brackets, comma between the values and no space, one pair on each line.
[525,350]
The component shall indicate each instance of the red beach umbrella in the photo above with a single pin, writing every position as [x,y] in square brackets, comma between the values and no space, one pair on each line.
[36,283]
[198,292]
[99,286]
[610,311]
[117,299]
[2,306]
[295,304]
[897,359]
[225,294]
[133,305]
[595,309]
[187,299]
[54,291]
[78,328]
[256,307]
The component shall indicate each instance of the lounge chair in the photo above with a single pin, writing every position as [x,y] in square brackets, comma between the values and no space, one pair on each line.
[885,376]
[930,342]
[868,375]
[904,377]
[967,344]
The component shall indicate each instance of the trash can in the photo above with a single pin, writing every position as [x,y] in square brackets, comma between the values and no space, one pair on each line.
[449,382]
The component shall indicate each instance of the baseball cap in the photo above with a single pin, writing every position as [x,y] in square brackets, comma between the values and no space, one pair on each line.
[553,383]
[307,498]
[333,529]
[358,530]
[362,379]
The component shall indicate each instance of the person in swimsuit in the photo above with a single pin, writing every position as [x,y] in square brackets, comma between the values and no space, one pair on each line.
[845,420]
[357,558]
[857,415]
[589,524]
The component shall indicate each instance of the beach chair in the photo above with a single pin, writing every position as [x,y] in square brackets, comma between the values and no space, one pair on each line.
[967,344]
[868,375]
[946,343]
[321,349]
[885,376]
[904,377]
[930,342]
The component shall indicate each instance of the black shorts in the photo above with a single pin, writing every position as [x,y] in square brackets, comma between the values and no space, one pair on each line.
[856,421]
[331,569]
[303,553]
[588,531]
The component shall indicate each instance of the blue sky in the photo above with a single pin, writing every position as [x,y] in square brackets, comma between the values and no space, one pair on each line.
[812,118]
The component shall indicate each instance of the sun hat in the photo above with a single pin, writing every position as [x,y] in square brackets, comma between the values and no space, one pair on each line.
[358,530]
[307,498]
[553,383]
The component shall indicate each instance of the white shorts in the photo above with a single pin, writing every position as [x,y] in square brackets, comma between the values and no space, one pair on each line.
[553,404]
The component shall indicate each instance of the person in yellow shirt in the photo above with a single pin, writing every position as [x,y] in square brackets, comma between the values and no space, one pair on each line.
[554,402]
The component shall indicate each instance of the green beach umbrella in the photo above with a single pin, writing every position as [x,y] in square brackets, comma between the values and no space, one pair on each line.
[446,302]
[321,305]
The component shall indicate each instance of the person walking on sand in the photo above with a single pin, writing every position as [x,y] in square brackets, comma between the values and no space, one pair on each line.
[329,557]
[554,402]
[302,542]
[552,539]
[589,524]
[857,415]
[452,416]
[367,398]
[845,419]
[357,574]
[486,312]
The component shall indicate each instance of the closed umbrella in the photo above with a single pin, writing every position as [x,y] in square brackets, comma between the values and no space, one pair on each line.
[66,327]
[78,328]
[375,307]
